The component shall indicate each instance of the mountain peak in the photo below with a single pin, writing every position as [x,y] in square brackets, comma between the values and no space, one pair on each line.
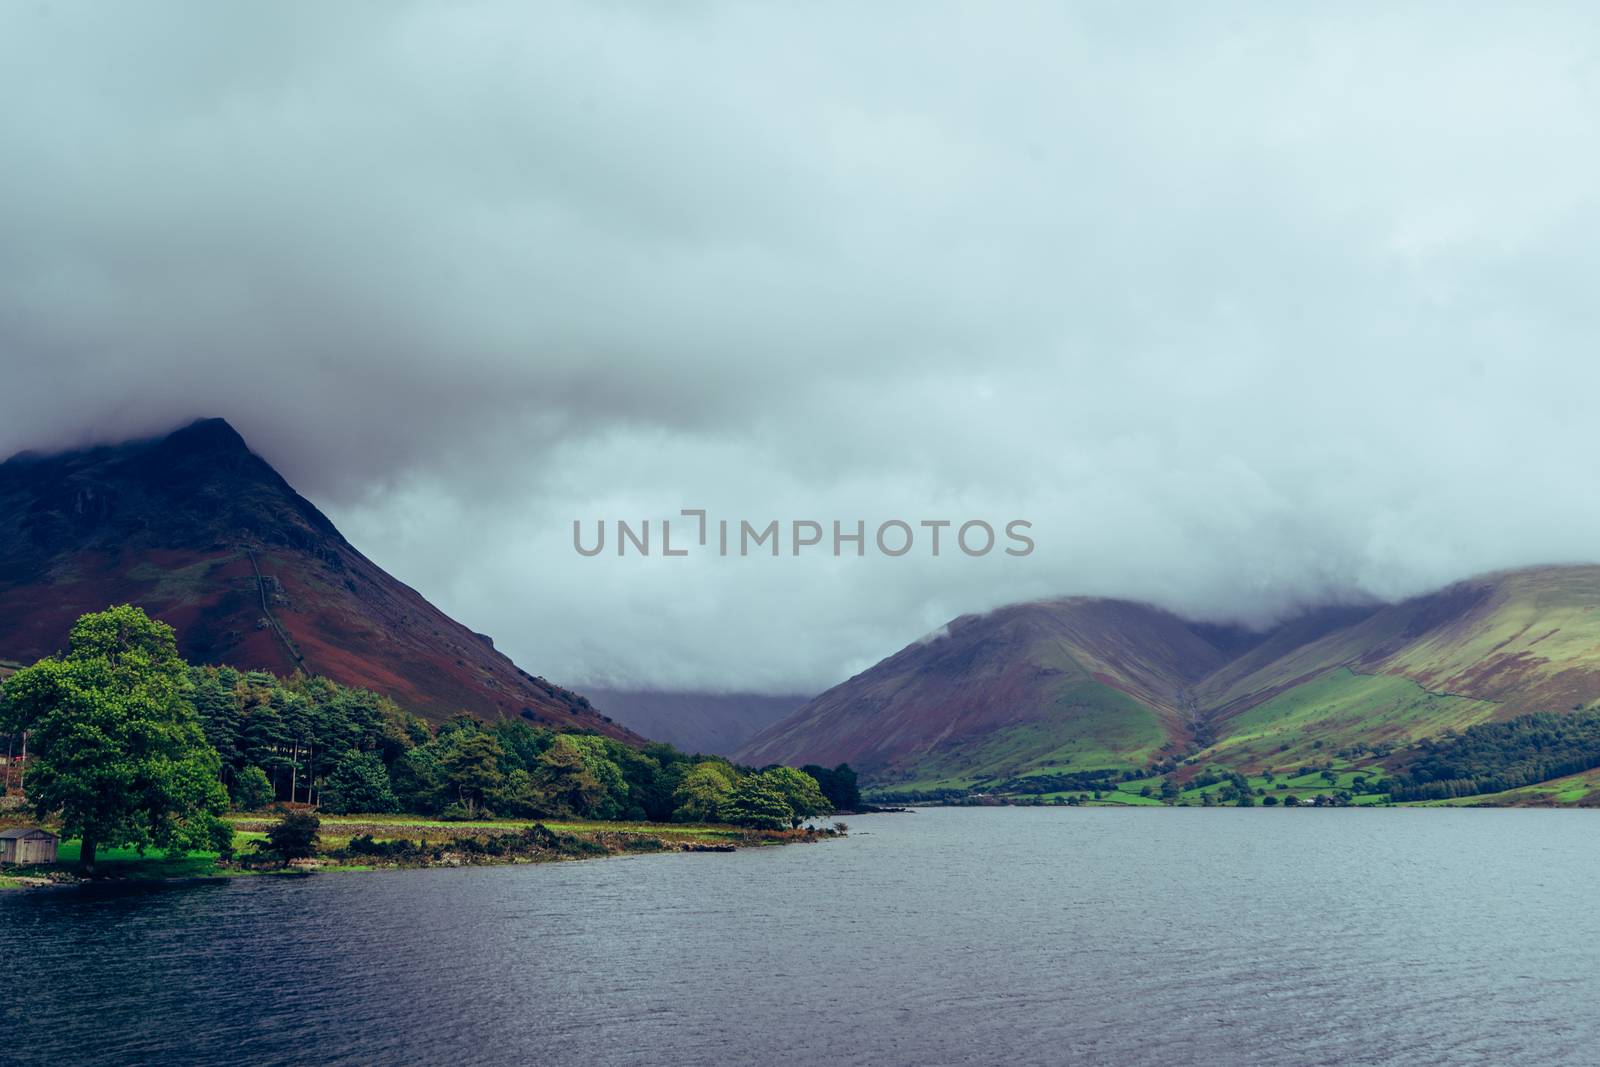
[204,533]
[207,435]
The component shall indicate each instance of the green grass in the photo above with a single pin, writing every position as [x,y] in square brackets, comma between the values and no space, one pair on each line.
[337,830]
[127,863]
[1090,727]
[1543,615]
[1121,798]
[1570,790]
[1337,710]
[1302,787]
[1518,642]
[1102,728]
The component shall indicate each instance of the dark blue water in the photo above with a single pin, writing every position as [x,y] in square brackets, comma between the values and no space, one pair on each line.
[1042,936]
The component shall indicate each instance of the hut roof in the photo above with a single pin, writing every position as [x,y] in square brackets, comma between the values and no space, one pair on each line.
[16,833]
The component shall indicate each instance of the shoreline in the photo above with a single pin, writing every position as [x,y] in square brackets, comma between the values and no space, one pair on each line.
[360,844]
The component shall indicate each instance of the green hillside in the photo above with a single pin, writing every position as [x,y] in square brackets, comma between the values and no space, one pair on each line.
[1090,727]
[1062,686]
[1068,699]
[1573,790]
[1340,710]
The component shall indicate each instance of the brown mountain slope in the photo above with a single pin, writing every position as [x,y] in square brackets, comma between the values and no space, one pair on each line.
[204,534]
[1526,640]
[1004,695]
[1489,648]
[1080,682]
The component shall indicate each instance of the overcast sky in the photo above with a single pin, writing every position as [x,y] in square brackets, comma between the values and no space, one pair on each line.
[1242,309]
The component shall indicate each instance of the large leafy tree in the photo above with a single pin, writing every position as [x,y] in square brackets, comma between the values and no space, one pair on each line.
[359,784]
[756,802]
[564,779]
[597,759]
[251,790]
[702,792]
[294,837]
[799,790]
[519,794]
[470,763]
[838,785]
[418,780]
[116,749]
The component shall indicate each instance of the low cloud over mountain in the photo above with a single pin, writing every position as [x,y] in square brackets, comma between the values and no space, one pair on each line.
[1242,310]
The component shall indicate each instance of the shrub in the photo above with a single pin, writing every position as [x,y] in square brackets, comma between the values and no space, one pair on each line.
[294,837]
[251,790]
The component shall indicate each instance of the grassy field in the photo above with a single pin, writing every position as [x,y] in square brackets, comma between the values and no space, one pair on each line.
[337,830]
[1574,789]
[1334,711]
[1303,788]
[1306,727]
[1307,724]
[127,863]
[1092,727]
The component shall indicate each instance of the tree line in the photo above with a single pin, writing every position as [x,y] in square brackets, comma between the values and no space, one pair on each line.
[128,745]
[347,750]
[1495,756]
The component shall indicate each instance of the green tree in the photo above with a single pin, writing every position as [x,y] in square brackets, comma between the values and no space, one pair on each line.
[799,791]
[418,780]
[522,744]
[294,837]
[359,784]
[251,790]
[838,785]
[699,797]
[649,787]
[597,759]
[756,802]
[564,780]
[471,766]
[519,794]
[213,696]
[115,748]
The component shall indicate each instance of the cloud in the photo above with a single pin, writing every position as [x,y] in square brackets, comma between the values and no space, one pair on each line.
[1243,308]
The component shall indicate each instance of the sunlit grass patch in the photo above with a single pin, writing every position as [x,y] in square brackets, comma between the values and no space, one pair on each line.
[127,863]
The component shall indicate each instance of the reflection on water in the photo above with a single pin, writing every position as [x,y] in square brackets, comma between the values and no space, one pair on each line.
[1046,936]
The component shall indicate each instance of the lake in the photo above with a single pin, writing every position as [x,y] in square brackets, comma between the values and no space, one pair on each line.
[955,935]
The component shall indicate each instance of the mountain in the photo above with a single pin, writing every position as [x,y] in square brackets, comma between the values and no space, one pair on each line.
[1065,686]
[1487,649]
[715,723]
[204,534]
[1080,682]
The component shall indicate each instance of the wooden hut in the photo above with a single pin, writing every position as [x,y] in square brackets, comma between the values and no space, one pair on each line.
[27,846]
